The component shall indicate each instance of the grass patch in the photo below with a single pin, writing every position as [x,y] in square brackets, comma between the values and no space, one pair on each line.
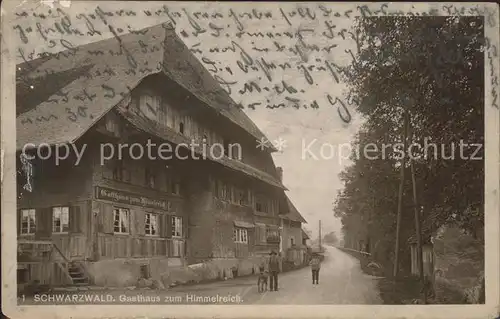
[400,292]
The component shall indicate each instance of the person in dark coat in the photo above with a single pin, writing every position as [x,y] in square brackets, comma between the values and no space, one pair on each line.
[274,268]
[315,264]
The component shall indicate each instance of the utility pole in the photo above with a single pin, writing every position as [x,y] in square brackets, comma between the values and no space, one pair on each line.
[400,195]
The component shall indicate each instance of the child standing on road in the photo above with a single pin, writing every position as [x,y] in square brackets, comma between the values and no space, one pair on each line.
[315,264]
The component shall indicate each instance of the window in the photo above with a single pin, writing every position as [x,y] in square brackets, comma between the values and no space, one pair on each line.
[186,125]
[60,219]
[169,115]
[232,194]
[272,208]
[149,105]
[225,191]
[176,226]
[194,130]
[28,221]
[261,204]
[120,173]
[225,144]
[181,127]
[121,218]
[240,235]
[150,178]
[175,186]
[258,206]
[151,224]
[242,197]
[201,131]
[292,242]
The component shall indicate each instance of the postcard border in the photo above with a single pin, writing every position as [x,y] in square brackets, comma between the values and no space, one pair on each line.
[492,224]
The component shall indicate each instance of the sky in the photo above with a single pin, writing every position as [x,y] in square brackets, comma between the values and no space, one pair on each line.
[312,182]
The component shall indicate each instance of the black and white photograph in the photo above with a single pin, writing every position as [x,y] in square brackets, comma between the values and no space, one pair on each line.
[250,159]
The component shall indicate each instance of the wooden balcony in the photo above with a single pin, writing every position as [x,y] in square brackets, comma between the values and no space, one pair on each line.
[117,246]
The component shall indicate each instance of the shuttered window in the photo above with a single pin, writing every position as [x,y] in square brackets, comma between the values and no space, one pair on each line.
[121,220]
[60,219]
[241,197]
[225,191]
[175,186]
[120,172]
[177,228]
[261,204]
[151,224]
[177,248]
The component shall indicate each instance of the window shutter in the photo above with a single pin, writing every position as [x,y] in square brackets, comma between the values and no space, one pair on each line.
[185,227]
[107,218]
[75,219]
[263,233]
[217,188]
[166,226]
[140,224]
[19,220]
[43,223]
[257,233]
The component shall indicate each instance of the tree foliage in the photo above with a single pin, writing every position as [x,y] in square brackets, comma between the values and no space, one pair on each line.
[330,238]
[432,68]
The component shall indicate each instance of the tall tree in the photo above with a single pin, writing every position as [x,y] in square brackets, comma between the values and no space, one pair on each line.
[330,238]
[433,67]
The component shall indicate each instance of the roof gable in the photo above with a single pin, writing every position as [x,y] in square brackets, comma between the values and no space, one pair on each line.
[185,69]
[94,78]
[74,108]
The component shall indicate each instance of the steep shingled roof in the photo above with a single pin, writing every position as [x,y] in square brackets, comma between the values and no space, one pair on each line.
[93,78]
[293,213]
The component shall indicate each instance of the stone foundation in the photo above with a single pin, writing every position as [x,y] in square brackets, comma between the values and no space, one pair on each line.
[171,272]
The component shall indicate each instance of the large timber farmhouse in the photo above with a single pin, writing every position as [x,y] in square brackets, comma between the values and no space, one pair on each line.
[109,222]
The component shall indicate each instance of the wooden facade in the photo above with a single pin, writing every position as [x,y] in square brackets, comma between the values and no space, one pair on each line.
[139,208]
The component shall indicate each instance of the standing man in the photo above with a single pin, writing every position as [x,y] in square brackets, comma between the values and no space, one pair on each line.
[315,267]
[274,269]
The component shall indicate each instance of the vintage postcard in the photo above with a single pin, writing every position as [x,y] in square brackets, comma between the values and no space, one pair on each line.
[250,159]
